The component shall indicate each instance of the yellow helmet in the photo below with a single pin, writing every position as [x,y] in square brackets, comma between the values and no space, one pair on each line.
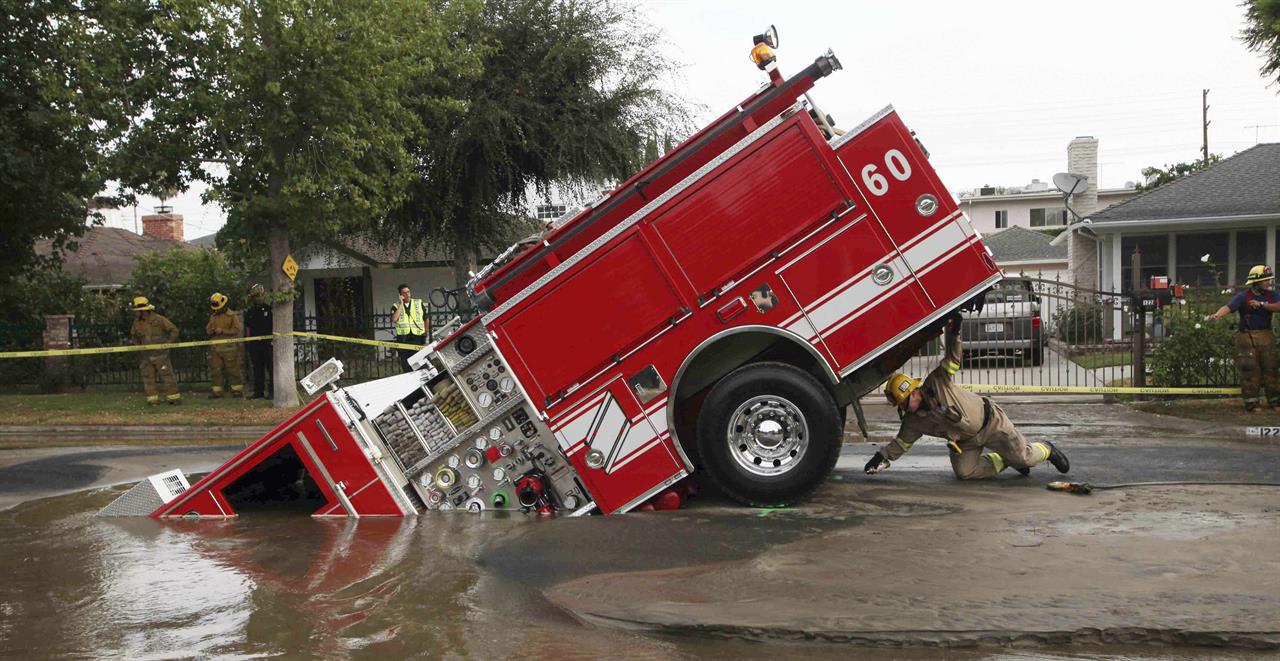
[141,304]
[1260,273]
[899,387]
[217,301]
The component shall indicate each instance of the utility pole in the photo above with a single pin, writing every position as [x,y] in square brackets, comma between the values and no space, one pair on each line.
[1204,104]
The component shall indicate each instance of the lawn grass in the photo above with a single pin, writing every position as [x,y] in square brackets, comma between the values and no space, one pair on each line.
[1091,361]
[122,407]
[1227,410]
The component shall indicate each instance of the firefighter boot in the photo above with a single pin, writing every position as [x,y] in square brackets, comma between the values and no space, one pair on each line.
[1057,458]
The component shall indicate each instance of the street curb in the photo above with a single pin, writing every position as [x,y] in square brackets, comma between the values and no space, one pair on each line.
[134,431]
[1250,640]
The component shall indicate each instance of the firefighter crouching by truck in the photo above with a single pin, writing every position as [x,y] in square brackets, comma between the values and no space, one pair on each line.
[981,438]
[224,359]
[1255,343]
[152,328]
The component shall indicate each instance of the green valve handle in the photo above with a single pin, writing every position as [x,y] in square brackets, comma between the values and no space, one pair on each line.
[499,500]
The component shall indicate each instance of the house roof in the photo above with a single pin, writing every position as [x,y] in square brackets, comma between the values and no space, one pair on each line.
[1019,244]
[1247,184]
[104,256]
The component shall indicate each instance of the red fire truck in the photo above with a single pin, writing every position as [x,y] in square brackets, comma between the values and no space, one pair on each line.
[718,311]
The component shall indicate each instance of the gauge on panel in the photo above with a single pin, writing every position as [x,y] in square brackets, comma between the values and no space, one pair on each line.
[507,384]
[495,434]
[473,482]
[454,461]
[485,399]
[499,475]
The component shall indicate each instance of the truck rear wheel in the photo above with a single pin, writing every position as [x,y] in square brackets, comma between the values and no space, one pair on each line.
[768,434]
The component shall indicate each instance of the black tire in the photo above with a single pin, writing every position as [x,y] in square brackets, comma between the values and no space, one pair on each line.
[801,472]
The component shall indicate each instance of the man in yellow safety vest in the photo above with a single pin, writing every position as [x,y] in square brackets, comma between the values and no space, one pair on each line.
[410,323]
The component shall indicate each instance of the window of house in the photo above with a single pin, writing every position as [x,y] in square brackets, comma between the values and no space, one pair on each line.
[1154,252]
[1050,217]
[1190,251]
[1251,250]
[1002,218]
[550,211]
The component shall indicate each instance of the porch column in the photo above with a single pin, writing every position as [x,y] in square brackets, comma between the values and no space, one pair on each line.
[1271,245]
[1117,284]
[1231,258]
[1173,257]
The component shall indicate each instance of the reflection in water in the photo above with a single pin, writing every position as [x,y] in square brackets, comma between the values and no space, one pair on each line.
[284,585]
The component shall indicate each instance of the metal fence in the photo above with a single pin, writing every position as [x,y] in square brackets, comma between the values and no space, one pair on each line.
[1038,332]
[191,363]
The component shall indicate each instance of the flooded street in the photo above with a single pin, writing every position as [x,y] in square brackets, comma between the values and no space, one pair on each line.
[442,586]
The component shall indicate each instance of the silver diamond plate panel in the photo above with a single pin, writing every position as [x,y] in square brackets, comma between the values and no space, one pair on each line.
[640,214]
[866,124]
[141,500]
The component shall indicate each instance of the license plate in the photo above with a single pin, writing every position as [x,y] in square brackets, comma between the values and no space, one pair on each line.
[994,328]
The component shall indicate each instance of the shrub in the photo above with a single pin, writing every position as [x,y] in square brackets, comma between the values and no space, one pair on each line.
[1194,353]
[1079,324]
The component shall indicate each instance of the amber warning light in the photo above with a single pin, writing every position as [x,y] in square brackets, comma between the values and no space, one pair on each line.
[762,51]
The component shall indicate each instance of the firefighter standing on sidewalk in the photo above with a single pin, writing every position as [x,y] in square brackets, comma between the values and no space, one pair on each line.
[152,328]
[224,358]
[257,323]
[1254,341]
[410,324]
[981,438]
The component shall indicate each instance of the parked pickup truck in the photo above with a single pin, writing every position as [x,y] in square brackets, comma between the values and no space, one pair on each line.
[1009,324]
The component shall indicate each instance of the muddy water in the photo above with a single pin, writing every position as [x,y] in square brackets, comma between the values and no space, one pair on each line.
[446,586]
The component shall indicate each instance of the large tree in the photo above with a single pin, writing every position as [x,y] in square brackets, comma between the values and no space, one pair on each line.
[1262,34]
[63,86]
[1154,177]
[297,115]
[571,93]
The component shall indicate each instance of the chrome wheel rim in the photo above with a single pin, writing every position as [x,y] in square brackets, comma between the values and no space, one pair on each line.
[767,435]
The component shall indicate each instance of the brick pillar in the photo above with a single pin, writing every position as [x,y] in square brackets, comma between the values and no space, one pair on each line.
[57,369]
[163,226]
[1082,250]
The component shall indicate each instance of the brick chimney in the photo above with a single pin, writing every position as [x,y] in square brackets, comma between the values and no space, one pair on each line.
[163,226]
[1082,250]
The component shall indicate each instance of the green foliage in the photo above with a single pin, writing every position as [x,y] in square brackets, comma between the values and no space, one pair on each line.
[1079,324]
[1156,177]
[296,113]
[179,283]
[45,289]
[62,102]
[1261,34]
[1194,353]
[569,94]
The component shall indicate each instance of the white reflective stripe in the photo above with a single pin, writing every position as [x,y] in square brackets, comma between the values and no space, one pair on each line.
[936,245]
[857,301]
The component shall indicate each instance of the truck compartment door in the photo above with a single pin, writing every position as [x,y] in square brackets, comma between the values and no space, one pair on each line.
[855,292]
[616,447]
[918,214]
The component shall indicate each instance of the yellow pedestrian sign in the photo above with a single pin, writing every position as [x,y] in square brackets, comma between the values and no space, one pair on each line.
[290,267]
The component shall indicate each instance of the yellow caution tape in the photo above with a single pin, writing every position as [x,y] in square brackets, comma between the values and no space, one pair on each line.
[125,349]
[198,343]
[357,340]
[1099,390]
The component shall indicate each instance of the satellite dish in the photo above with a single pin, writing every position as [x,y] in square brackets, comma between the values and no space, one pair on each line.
[1070,183]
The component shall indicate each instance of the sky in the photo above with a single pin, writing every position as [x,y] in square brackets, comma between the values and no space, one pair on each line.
[994,89]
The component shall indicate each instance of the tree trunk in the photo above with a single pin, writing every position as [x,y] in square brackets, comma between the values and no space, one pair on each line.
[284,381]
[464,263]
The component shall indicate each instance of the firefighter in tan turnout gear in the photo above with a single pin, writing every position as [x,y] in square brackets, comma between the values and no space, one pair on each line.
[152,328]
[1255,342]
[224,358]
[982,439]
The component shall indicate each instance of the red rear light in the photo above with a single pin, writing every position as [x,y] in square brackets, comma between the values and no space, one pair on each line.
[1035,322]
